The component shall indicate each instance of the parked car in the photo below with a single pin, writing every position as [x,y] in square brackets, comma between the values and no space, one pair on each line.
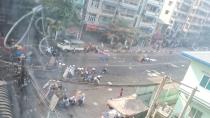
[72,45]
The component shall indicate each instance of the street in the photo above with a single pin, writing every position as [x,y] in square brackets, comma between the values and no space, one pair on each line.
[104,58]
[123,70]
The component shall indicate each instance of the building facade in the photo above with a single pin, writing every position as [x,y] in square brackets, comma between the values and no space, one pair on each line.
[141,14]
[198,76]
[187,19]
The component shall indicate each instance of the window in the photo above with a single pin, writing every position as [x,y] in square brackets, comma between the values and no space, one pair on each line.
[109,7]
[178,5]
[194,113]
[92,17]
[95,3]
[105,20]
[205,82]
[166,12]
[133,2]
[171,21]
[130,13]
[170,3]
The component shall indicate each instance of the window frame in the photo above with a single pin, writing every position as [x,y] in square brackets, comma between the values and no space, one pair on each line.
[167,12]
[92,18]
[207,83]
[170,3]
[196,112]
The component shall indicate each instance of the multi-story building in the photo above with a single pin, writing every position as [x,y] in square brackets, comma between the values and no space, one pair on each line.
[197,77]
[148,16]
[141,14]
[186,19]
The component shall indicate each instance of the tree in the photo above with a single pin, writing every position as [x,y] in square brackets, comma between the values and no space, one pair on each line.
[121,34]
[64,11]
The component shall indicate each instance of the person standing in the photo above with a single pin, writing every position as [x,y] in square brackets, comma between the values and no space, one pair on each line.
[121,92]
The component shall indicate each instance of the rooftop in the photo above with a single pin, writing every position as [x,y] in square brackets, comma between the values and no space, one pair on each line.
[199,56]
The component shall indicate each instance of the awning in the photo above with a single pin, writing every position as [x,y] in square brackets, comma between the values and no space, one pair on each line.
[128,106]
[93,27]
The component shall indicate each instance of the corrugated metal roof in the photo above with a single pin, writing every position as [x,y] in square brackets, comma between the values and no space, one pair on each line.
[199,56]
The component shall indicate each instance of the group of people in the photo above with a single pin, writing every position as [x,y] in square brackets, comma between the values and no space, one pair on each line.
[52,87]
[55,87]
[73,100]
[51,51]
[89,74]
[69,72]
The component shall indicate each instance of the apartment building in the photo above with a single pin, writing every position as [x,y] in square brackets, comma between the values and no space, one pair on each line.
[186,19]
[197,76]
[148,16]
[141,14]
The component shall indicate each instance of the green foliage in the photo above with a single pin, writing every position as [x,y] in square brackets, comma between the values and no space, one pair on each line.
[61,10]
[122,23]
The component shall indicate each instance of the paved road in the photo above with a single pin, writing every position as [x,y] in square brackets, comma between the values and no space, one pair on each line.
[123,69]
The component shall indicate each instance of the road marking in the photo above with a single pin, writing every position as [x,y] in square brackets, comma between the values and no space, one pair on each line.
[109,83]
[109,89]
[95,103]
[134,65]
[163,73]
[173,65]
[148,71]
[152,74]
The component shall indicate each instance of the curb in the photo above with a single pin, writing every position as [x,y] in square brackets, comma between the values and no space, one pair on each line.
[112,85]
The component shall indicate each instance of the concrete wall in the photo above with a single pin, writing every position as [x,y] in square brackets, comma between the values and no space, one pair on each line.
[194,75]
[165,18]
[200,101]
[181,102]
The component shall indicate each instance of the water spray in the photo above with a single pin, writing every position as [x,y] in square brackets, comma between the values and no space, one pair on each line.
[34,11]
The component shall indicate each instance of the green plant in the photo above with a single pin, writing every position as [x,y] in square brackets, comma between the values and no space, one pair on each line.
[63,11]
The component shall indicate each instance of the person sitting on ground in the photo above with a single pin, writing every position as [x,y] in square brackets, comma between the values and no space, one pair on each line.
[72,100]
[81,99]
[97,79]
[104,70]
[66,102]
[93,71]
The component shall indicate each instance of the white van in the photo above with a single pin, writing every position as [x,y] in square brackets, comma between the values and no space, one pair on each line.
[72,45]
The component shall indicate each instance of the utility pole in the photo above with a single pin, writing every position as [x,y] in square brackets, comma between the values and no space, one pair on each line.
[81,30]
[188,102]
[157,94]
[116,12]
[84,12]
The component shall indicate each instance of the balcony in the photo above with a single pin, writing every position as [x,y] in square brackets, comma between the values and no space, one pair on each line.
[186,3]
[195,23]
[181,12]
[108,8]
[206,1]
[198,16]
[155,2]
[147,31]
[127,16]
[151,14]
[108,11]
[113,2]
[206,25]
[147,24]
[181,20]
[203,9]
[132,2]
[130,6]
